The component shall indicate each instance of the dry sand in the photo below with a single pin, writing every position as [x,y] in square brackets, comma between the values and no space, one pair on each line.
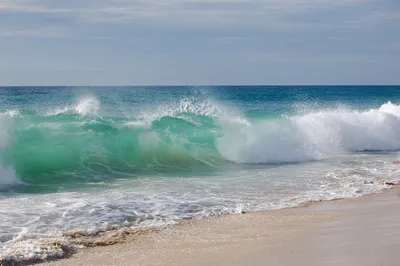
[363,231]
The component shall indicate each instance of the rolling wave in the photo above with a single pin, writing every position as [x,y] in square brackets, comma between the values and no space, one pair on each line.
[76,143]
[313,136]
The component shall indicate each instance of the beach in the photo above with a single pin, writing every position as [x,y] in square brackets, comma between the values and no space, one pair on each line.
[361,231]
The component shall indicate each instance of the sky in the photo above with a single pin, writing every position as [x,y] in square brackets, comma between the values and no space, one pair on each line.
[199,42]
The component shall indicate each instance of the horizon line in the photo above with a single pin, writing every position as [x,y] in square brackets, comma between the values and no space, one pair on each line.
[223,85]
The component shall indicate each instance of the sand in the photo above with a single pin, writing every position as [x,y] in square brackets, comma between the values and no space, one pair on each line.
[362,231]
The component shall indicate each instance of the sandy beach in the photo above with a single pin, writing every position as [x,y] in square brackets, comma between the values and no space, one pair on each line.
[362,231]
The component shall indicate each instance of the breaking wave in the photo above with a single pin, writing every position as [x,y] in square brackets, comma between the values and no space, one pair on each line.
[75,143]
[313,136]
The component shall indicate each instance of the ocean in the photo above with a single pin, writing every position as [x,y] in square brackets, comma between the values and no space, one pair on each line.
[97,158]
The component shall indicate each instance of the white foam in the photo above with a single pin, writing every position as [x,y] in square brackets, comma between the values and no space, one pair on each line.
[8,177]
[390,108]
[138,124]
[34,250]
[312,136]
[6,121]
[7,174]
[85,106]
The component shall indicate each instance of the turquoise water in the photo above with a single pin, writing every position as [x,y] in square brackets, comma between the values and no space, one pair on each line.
[65,137]
[91,157]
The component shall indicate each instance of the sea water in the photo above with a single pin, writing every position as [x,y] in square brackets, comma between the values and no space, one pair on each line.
[89,158]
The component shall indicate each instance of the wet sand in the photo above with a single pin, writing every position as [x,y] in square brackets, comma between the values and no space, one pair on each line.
[362,231]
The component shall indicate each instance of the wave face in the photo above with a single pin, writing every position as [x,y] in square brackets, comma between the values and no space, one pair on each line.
[85,142]
[73,144]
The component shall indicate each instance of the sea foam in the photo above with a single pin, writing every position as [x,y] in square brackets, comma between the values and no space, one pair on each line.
[312,136]
[7,174]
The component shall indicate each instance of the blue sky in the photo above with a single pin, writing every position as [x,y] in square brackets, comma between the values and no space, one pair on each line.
[199,42]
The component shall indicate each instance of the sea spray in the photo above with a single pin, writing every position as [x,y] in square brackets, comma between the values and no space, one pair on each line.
[85,106]
[313,136]
[7,174]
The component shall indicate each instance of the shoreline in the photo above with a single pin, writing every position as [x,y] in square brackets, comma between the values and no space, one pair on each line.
[279,237]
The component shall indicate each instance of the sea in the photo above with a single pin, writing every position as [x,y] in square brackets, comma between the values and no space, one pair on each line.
[94,159]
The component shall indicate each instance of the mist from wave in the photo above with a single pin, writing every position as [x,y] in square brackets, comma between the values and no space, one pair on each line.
[312,136]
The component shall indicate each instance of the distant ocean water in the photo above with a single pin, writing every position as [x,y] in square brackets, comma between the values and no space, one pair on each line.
[90,158]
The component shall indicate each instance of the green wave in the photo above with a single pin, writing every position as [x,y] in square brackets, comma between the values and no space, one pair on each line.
[71,148]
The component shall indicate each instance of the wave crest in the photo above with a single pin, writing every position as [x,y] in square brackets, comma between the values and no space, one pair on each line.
[313,136]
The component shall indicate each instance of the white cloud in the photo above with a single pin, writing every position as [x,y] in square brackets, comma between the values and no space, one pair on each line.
[193,12]
[32,33]
[209,14]
[332,58]
[278,14]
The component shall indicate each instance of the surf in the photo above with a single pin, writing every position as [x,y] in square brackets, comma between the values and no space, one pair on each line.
[95,159]
[314,135]
[79,143]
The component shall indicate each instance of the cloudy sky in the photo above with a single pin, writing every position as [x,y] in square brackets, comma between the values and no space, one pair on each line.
[199,42]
